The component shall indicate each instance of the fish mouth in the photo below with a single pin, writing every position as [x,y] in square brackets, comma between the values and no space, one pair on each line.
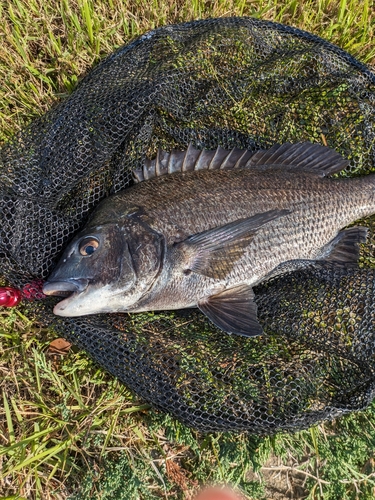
[65,288]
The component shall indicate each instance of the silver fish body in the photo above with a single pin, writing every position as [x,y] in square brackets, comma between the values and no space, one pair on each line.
[201,232]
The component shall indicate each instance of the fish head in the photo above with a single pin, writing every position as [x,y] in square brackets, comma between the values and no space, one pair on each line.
[106,268]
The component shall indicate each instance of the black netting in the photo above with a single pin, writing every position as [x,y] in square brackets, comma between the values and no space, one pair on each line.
[229,82]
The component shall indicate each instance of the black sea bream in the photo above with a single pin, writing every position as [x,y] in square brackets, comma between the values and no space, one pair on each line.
[201,228]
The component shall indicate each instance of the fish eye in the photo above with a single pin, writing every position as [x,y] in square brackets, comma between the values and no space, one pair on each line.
[88,246]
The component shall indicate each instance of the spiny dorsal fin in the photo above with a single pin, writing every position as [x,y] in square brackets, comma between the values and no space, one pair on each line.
[305,156]
[191,159]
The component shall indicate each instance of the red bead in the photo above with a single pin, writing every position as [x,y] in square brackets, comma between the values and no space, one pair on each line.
[33,290]
[9,297]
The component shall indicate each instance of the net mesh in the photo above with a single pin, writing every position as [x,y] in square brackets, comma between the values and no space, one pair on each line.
[233,82]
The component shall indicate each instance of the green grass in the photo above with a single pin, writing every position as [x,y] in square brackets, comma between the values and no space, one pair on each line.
[69,430]
[48,46]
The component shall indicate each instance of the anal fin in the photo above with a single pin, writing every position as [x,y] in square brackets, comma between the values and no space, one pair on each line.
[234,311]
[344,248]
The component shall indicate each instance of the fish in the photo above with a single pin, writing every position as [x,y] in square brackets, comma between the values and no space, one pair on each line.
[201,228]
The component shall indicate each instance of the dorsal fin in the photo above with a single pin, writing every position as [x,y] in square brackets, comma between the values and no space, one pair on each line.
[191,159]
[304,156]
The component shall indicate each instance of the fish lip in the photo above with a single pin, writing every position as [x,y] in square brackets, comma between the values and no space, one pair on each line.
[65,288]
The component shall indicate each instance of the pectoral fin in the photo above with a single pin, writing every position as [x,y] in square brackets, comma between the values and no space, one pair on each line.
[214,252]
[234,311]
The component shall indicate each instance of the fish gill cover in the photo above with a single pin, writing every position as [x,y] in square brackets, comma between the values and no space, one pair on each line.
[233,82]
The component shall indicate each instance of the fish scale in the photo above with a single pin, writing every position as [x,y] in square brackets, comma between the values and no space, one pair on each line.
[190,235]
